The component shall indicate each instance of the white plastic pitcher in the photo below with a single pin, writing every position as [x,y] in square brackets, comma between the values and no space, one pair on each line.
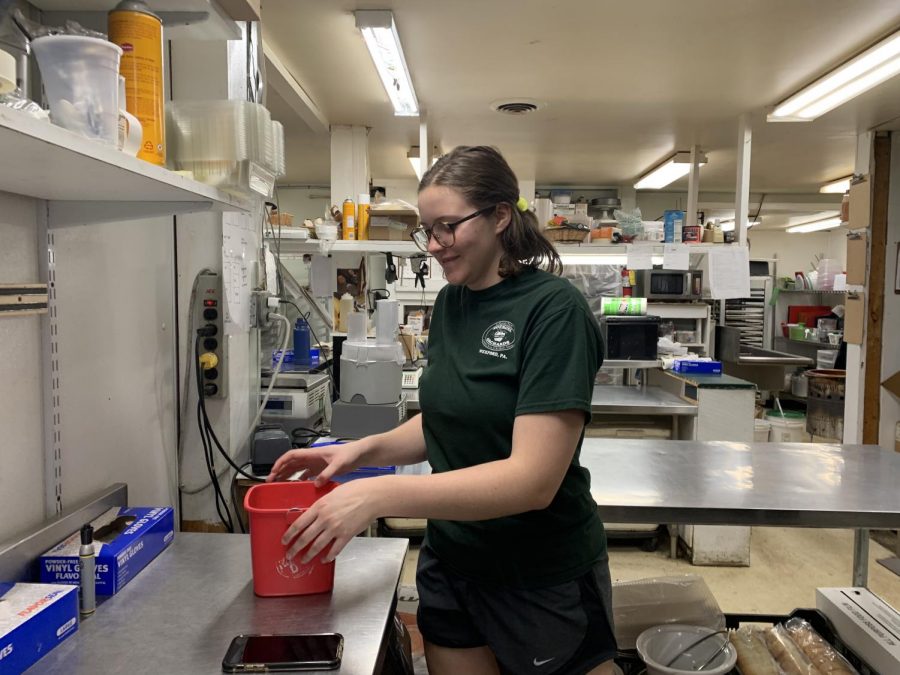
[81,80]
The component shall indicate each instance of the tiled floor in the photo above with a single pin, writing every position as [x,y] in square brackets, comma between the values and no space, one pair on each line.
[786,566]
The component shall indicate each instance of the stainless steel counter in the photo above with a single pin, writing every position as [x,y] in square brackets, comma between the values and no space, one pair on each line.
[621,400]
[639,401]
[181,612]
[722,483]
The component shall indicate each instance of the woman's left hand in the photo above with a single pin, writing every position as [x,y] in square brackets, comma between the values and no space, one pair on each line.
[334,519]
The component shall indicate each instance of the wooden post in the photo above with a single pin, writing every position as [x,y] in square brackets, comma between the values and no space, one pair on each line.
[881,176]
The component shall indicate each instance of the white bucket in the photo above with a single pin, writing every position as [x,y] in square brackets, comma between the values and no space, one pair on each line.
[787,429]
[761,431]
[659,645]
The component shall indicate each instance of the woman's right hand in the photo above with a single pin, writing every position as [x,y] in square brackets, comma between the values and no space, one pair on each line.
[323,461]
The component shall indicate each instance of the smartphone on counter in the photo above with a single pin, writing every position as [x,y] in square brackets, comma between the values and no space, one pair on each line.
[284,653]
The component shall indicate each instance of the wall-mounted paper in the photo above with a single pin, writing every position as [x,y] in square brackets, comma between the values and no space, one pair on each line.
[676,257]
[238,243]
[322,279]
[729,272]
[640,256]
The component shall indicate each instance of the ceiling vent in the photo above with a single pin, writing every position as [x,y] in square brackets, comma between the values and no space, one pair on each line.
[517,106]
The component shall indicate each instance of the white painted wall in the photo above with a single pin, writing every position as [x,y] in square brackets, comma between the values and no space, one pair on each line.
[796,252]
[115,302]
[890,353]
[21,418]
[406,189]
[303,202]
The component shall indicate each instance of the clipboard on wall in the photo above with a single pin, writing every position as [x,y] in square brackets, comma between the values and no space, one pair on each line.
[854,317]
[857,244]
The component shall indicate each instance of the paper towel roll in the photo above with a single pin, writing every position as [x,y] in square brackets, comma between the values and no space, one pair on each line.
[356,327]
[623,307]
[387,323]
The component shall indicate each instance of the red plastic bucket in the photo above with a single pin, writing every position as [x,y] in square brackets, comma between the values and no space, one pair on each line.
[272,508]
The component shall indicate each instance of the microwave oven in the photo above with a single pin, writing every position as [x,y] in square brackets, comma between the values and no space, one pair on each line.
[659,284]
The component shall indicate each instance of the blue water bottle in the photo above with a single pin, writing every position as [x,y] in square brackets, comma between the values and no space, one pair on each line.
[301,342]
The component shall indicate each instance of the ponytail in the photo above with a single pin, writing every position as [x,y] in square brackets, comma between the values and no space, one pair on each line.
[484,178]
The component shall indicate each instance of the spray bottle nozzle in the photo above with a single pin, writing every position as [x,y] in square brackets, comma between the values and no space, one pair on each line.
[87,534]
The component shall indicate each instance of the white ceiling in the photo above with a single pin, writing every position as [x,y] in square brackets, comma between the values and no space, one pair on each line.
[626,83]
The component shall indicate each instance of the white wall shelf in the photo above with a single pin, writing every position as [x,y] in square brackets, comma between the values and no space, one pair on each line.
[87,181]
[408,248]
[201,19]
[608,249]
[403,249]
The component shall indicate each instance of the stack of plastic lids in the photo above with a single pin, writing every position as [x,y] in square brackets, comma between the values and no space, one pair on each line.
[278,164]
[226,144]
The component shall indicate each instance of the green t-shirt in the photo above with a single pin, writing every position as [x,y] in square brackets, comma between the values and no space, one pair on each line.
[526,345]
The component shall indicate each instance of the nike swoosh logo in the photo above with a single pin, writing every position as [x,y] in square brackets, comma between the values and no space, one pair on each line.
[538,664]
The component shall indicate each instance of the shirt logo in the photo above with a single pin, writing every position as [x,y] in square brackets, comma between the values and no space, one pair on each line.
[500,337]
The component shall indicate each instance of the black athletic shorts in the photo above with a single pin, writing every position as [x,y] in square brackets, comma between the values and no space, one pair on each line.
[564,629]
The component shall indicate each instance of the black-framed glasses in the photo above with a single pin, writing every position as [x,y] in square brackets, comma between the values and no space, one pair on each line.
[443,233]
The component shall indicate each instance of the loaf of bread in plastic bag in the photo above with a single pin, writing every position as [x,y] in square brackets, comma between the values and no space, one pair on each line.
[753,657]
[822,655]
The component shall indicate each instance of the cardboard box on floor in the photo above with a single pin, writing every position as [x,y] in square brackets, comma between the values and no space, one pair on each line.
[392,224]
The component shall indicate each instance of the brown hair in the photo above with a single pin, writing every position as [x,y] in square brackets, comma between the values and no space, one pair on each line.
[485,179]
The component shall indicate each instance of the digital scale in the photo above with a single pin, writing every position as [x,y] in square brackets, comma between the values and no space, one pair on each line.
[299,400]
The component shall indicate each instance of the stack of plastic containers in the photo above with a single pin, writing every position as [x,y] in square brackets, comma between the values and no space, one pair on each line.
[232,145]
[825,272]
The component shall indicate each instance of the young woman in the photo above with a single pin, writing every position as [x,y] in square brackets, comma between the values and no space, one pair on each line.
[513,574]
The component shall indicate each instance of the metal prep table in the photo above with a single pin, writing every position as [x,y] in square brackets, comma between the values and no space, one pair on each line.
[181,612]
[640,401]
[617,399]
[724,483]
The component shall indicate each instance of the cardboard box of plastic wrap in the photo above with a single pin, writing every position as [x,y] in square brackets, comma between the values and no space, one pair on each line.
[698,367]
[34,618]
[125,541]
[865,623]
[393,225]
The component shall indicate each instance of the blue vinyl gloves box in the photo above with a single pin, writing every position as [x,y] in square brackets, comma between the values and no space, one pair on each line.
[698,367]
[34,618]
[125,541]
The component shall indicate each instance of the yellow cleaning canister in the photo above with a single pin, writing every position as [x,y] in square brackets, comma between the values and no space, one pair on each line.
[349,212]
[362,217]
[138,31]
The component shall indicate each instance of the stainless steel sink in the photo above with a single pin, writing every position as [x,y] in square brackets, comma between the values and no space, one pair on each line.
[764,367]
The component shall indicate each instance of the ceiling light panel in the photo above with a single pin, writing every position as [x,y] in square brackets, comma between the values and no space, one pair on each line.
[875,65]
[839,186]
[380,33]
[677,166]
[815,226]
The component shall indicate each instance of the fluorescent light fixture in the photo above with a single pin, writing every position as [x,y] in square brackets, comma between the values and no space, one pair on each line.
[601,259]
[815,226]
[380,33]
[677,166]
[875,65]
[839,186]
[728,225]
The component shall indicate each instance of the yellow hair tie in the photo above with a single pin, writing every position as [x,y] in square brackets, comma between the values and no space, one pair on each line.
[522,204]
